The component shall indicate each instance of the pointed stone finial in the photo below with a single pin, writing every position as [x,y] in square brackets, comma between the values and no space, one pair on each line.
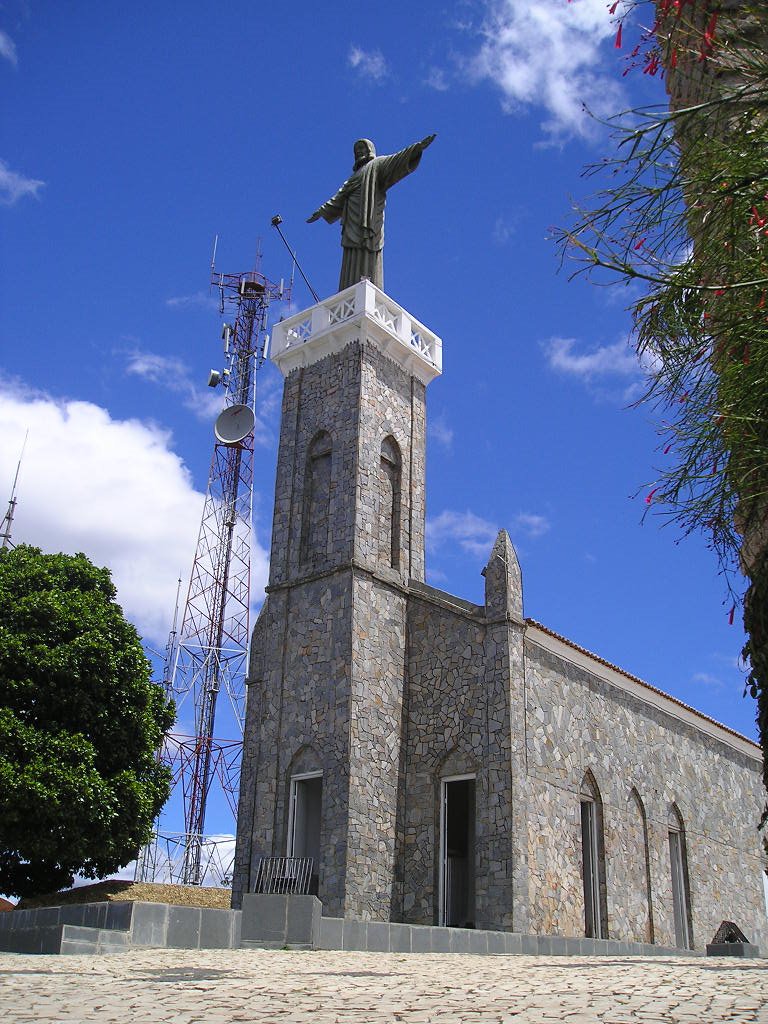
[503,581]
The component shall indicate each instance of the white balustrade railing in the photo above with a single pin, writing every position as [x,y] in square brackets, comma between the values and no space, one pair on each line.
[363,301]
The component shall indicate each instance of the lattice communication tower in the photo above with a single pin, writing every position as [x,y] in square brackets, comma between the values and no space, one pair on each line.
[208,654]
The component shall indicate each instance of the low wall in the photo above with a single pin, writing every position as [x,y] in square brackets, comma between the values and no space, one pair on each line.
[273,922]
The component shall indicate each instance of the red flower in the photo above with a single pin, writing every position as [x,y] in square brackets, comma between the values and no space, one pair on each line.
[617,44]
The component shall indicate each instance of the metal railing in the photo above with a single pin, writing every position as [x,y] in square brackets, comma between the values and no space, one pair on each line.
[284,875]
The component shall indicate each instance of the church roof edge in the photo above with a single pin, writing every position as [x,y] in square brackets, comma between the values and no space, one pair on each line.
[641,682]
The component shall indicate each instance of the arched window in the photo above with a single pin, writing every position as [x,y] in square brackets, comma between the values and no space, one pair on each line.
[317,500]
[681,895]
[593,860]
[390,474]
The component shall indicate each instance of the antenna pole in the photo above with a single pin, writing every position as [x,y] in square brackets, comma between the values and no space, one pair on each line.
[7,523]
[277,220]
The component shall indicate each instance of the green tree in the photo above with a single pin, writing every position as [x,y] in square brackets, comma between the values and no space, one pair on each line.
[80,722]
[682,213]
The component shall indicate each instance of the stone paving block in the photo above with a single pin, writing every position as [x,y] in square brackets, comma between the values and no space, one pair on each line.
[440,940]
[354,935]
[740,949]
[79,933]
[74,914]
[331,933]
[184,927]
[265,917]
[559,945]
[421,938]
[377,937]
[45,916]
[459,940]
[400,938]
[302,919]
[215,928]
[77,947]
[119,914]
[94,915]
[149,924]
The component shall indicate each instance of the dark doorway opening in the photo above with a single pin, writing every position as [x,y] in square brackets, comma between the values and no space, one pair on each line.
[458,853]
[304,831]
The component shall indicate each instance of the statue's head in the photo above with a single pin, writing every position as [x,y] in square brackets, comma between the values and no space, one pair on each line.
[364,151]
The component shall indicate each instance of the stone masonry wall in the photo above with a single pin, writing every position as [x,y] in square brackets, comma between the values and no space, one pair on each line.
[457,721]
[322,397]
[378,666]
[392,404]
[326,681]
[298,720]
[577,721]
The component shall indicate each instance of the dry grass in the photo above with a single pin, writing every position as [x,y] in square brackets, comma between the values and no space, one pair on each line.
[148,892]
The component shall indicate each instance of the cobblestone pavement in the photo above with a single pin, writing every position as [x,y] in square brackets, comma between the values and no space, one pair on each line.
[219,987]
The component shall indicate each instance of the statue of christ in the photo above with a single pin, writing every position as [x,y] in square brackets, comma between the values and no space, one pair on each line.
[359,204]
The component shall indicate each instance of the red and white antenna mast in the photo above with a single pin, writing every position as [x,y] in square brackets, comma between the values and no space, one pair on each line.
[208,655]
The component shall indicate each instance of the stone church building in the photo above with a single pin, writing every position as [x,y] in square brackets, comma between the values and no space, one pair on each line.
[443,762]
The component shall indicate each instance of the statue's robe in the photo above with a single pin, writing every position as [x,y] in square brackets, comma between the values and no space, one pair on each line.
[360,205]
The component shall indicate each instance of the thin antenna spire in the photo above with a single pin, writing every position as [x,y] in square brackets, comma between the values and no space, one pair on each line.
[7,523]
[277,220]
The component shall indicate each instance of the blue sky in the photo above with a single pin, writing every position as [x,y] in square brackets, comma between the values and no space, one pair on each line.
[132,134]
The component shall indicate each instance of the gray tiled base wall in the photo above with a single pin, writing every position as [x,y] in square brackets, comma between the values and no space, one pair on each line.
[117,927]
[383,937]
[273,921]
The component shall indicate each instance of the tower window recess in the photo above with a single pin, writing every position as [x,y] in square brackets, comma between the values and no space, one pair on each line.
[593,860]
[317,500]
[681,897]
[390,474]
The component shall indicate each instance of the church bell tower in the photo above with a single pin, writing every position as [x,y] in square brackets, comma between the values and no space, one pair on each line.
[321,762]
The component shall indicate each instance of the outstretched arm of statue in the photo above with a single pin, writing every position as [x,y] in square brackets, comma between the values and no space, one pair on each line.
[394,168]
[333,209]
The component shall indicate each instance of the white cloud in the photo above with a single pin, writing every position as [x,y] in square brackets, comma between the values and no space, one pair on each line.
[198,300]
[15,186]
[712,682]
[437,79]
[174,375]
[476,535]
[8,48]
[368,63]
[439,430]
[113,489]
[469,531]
[618,360]
[503,229]
[206,403]
[530,525]
[544,54]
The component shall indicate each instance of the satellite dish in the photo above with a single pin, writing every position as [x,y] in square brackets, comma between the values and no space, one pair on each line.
[233,424]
